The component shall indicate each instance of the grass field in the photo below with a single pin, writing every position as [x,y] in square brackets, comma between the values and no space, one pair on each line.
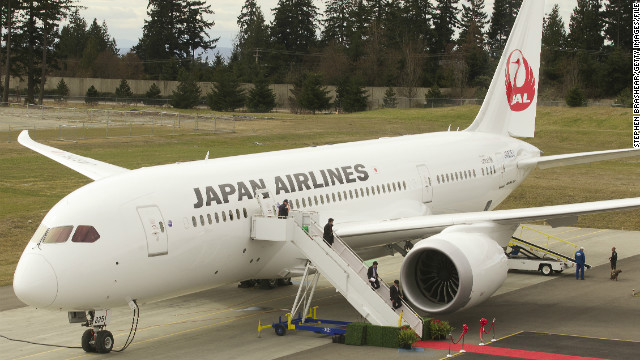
[31,184]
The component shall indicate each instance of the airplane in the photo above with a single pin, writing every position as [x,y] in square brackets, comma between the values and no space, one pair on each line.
[134,236]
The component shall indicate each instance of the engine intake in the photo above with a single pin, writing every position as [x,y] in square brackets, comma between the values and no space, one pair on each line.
[453,270]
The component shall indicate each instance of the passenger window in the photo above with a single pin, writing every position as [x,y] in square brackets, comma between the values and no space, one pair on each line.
[356,191]
[238,214]
[474,172]
[404,185]
[394,187]
[388,187]
[315,198]
[339,196]
[378,187]
[447,177]
[328,198]
[244,210]
[456,176]
[321,199]
[194,221]
[224,216]
[230,215]
[88,234]
[350,194]
[201,220]
[361,192]
[217,218]
[209,220]
[58,234]
[310,202]
[333,196]
[482,171]
[367,191]
[298,203]
[304,203]
[345,195]
[159,223]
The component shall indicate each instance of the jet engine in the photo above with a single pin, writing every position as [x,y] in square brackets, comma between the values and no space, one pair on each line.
[457,268]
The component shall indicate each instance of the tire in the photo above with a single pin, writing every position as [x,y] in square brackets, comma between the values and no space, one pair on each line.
[268,283]
[280,329]
[247,284]
[104,342]
[284,281]
[87,338]
[546,269]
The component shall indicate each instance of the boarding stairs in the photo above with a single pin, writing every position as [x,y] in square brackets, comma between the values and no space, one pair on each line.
[338,263]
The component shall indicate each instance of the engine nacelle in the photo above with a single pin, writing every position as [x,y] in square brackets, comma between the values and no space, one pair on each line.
[457,268]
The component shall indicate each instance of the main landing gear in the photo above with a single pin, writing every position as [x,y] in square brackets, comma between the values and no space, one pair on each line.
[96,338]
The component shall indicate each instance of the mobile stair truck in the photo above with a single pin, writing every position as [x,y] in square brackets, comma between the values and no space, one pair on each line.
[527,256]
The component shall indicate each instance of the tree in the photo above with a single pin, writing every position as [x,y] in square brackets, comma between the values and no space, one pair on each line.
[445,23]
[502,19]
[554,38]
[73,37]
[91,96]
[617,22]
[152,96]
[124,90]
[350,96]
[586,26]
[474,19]
[309,93]
[417,16]
[261,98]
[187,95]
[62,90]
[390,100]
[174,30]
[252,39]
[294,25]
[226,94]
[575,97]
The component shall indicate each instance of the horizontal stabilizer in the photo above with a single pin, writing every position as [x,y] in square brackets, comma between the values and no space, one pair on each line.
[88,167]
[545,162]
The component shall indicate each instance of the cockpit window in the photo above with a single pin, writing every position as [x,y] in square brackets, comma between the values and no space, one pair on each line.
[85,234]
[57,234]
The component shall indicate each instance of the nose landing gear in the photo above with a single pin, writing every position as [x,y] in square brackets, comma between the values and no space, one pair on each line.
[96,339]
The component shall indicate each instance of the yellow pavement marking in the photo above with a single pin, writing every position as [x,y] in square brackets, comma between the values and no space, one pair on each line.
[587,234]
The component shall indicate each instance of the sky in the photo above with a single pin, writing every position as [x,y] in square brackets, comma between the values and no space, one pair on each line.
[125,18]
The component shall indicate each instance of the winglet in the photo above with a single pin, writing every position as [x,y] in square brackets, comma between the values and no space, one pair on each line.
[88,167]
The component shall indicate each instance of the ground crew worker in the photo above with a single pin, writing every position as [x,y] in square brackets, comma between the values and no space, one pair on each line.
[614,258]
[580,259]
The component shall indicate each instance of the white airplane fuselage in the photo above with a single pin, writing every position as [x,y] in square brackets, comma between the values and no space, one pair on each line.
[197,247]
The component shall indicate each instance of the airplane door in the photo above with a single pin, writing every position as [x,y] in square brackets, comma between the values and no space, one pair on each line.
[500,169]
[155,230]
[427,189]
[266,202]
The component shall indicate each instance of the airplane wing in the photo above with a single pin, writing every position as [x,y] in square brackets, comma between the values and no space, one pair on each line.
[545,162]
[88,167]
[412,228]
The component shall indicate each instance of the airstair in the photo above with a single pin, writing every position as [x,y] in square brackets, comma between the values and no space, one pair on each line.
[338,263]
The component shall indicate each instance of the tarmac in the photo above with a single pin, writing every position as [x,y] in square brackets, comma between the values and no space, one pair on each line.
[595,318]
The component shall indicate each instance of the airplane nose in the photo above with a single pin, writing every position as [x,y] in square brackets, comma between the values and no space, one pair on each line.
[35,282]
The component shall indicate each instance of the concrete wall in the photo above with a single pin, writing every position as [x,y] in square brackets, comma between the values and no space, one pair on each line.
[78,88]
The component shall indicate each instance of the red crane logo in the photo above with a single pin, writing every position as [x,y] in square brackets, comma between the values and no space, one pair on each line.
[520,92]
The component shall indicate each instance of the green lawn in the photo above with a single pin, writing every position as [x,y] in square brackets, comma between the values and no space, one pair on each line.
[31,184]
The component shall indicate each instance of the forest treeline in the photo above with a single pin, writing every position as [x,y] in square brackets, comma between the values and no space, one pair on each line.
[352,43]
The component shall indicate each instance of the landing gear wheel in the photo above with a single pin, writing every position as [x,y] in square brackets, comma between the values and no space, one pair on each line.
[104,342]
[87,341]
[280,329]
[546,269]
[268,283]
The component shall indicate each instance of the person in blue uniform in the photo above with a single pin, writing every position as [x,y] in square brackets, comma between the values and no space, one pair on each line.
[580,259]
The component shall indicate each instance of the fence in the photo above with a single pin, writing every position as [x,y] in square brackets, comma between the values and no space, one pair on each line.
[72,124]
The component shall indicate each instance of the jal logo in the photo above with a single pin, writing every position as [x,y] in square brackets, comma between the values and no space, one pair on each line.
[519,81]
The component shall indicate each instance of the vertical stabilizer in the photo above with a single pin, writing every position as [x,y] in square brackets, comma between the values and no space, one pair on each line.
[509,108]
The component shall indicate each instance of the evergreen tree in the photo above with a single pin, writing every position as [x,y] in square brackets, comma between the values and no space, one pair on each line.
[91,96]
[445,23]
[473,15]
[337,21]
[350,96]
[554,39]
[62,90]
[124,90]
[294,25]
[187,95]
[502,19]
[586,26]
[73,37]
[617,19]
[417,20]
[152,96]
[390,100]
[252,40]
[261,98]
[226,94]
[309,93]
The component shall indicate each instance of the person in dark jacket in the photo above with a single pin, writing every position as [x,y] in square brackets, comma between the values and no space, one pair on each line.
[394,294]
[580,260]
[614,258]
[328,232]
[372,275]
[283,209]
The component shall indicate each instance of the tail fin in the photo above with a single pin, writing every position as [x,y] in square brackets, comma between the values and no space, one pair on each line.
[510,104]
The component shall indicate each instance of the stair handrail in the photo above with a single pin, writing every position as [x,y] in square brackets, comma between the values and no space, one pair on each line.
[522,226]
[353,254]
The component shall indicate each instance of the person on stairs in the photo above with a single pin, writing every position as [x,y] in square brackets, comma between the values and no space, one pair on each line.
[394,293]
[372,275]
